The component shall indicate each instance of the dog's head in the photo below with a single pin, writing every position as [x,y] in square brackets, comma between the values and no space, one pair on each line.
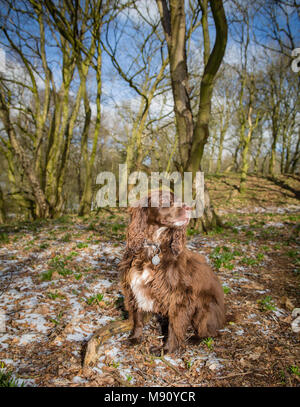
[161,210]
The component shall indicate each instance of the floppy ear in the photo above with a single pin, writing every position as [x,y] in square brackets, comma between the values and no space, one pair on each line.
[136,229]
[178,240]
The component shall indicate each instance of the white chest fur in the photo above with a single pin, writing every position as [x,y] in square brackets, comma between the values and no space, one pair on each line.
[138,284]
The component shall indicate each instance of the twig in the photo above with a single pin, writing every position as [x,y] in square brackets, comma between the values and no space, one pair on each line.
[233,375]
[169,365]
[8,284]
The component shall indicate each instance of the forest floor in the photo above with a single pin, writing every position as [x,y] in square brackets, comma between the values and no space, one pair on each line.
[59,282]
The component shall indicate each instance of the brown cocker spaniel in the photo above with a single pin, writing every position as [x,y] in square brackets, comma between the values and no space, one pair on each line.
[160,275]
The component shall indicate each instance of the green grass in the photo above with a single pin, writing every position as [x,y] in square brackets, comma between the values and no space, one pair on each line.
[295,370]
[4,238]
[266,304]
[66,238]
[58,263]
[54,296]
[293,254]
[209,342]
[63,219]
[7,379]
[47,275]
[294,218]
[215,231]
[82,245]
[94,299]
[191,232]
[249,261]
[226,289]
[223,256]
[57,320]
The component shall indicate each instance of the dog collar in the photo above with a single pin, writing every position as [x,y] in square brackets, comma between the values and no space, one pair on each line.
[155,259]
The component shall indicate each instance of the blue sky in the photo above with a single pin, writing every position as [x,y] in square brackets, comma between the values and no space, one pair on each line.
[116,89]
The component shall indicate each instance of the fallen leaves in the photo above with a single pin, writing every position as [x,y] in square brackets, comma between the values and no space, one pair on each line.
[250,340]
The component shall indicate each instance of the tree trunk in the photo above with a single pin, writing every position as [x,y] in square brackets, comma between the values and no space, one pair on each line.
[219,159]
[2,208]
[173,22]
[296,156]
[245,162]
[274,142]
[257,155]
[192,138]
[201,130]
[211,158]
[210,219]
[42,205]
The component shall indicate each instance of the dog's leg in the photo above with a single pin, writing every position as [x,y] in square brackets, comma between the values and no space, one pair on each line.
[178,324]
[137,318]
[164,323]
[164,326]
[206,321]
[135,315]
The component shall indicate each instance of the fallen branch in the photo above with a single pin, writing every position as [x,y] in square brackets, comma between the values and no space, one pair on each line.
[101,336]
[170,365]
[233,375]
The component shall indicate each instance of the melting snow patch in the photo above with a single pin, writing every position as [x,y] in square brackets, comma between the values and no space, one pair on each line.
[25,382]
[101,284]
[213,363]
[279,312]
[28,338]
[25,283]
[240,332]
[274,224]
[36,320]
[113,352]
[265,332]
[103,320]
[76,307]
[175,362]
[224,330]
[8,362]
[78,379]
[2,339]
[78,336]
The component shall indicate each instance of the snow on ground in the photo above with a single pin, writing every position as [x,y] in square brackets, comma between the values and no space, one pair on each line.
[48,320]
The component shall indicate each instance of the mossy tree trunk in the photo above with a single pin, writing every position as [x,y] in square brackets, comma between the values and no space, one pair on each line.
[193,133]
[2,207]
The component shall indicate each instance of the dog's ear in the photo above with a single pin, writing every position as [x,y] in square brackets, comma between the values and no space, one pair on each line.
[136,229]
[178,240]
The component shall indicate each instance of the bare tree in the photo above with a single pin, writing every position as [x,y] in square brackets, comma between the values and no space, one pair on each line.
[193,133]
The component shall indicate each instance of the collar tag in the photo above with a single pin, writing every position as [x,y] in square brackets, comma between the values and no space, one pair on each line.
[155,260]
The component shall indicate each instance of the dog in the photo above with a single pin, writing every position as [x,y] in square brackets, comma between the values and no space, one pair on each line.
[160,275]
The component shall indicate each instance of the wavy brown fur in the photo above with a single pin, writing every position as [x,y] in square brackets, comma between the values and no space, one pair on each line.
[182,287]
